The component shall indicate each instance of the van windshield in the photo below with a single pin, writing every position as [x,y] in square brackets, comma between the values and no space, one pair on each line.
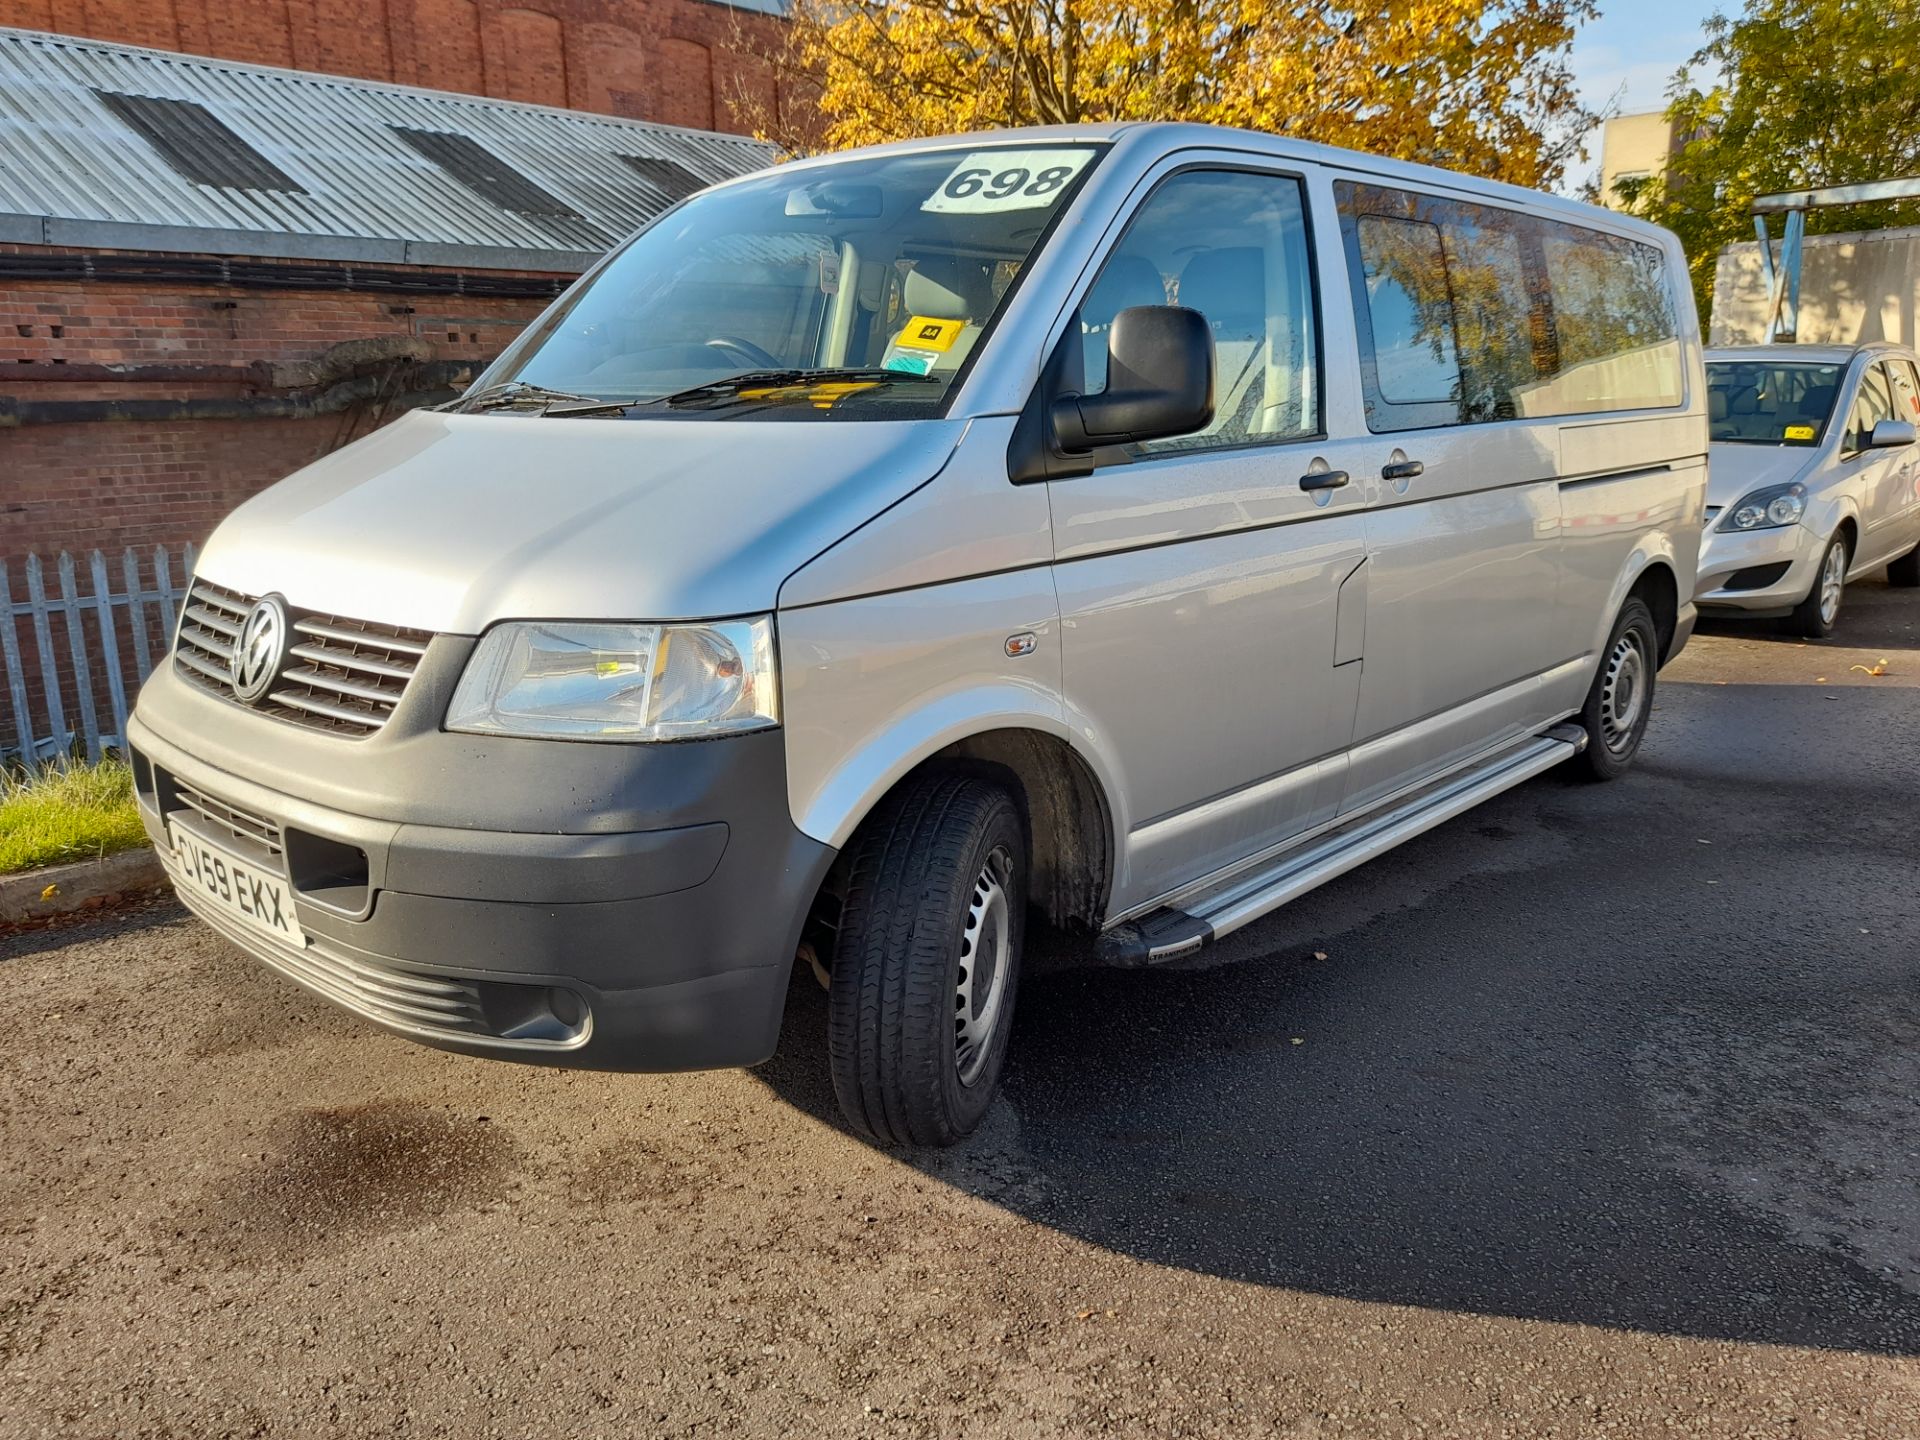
[749,298]
[1770,402]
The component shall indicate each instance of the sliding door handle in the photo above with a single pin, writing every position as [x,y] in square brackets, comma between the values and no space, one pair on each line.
[1403,470]
[1323,480]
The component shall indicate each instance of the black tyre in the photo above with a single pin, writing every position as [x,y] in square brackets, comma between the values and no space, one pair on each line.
[928,960]
[1621,698]
[1905,572]
[1815,616]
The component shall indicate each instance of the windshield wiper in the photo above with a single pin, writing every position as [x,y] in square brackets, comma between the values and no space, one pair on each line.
[725,391]
[514,392]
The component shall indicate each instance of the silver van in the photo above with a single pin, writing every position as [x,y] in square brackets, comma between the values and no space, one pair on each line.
[1128,527]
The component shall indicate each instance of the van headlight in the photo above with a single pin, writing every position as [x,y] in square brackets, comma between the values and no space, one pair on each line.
[583,680]
[1767,509]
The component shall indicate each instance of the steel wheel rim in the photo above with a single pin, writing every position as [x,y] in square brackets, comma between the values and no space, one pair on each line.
[1623,695]
[1833,580]
[986,943]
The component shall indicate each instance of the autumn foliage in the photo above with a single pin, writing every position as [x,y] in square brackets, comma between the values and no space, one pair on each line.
[1475,85]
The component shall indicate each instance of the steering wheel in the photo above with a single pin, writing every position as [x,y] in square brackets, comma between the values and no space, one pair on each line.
[746,352]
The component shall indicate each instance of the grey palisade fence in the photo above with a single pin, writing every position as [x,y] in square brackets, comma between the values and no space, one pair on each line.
[80,636]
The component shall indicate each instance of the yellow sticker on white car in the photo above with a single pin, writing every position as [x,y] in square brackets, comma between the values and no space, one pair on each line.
[989,180]
[1799,432]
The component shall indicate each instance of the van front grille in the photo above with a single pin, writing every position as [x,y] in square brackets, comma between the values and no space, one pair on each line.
[230,821]
[341,675]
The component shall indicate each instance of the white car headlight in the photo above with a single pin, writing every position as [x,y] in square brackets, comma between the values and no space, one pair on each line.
[1767,509]
[592,680]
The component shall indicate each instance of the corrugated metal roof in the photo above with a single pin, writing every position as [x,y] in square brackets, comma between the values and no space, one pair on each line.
[73,171]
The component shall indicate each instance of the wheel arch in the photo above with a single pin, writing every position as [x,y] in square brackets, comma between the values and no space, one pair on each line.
[1069,817]
[1658,587]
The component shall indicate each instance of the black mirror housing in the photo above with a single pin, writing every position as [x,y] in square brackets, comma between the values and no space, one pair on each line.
[1160,374]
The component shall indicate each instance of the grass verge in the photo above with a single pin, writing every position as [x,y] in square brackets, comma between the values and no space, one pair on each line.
[76,812]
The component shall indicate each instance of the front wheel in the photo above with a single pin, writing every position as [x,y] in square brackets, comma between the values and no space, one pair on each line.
[927,959]
[1621,697]
[1815,616]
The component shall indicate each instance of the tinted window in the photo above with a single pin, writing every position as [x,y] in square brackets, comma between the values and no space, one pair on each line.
[1233,246]
[1769,402]
[1414,357]
[1470,313]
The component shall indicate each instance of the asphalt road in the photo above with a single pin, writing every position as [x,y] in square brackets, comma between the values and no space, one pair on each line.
[1597,1118]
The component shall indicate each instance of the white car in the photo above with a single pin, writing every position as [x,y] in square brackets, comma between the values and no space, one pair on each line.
[1813,478]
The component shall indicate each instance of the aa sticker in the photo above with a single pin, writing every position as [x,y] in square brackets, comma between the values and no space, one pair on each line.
[925,334]
[1799,432]
[989,180]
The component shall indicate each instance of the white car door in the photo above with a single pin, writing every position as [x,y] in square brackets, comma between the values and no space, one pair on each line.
[1875,476]
[1904,494]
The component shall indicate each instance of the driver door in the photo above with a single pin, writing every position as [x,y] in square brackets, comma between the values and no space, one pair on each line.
[1201,586]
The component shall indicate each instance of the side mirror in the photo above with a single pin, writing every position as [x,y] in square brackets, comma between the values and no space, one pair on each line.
[1891,435]
[1159,383]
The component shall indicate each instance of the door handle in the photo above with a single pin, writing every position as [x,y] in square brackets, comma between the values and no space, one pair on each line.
[1403,470]
[1323,480]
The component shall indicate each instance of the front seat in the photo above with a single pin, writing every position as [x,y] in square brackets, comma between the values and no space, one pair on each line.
[1127,281]
[1229,287]
[943,320]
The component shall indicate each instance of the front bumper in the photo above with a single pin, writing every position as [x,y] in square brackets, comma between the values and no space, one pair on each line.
[1765,571]
[618,907]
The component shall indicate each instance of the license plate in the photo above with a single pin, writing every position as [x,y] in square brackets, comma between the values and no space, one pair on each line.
[253,894]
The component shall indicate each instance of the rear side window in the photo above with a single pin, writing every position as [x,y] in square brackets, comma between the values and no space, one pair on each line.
[1470,313]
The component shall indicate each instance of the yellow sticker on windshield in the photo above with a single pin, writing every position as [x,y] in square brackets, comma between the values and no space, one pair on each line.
[925,334]
[1799,432]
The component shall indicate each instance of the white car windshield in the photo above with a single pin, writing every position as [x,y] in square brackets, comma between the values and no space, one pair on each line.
[856,289]
[1770,402]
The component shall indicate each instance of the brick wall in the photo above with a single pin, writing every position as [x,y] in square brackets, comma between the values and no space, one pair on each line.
[110,483]
[675,61]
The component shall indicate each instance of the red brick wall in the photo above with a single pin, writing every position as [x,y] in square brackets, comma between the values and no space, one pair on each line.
[112,483]
[676,61]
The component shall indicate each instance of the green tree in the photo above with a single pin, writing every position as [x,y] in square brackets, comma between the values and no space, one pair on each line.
[1790,95]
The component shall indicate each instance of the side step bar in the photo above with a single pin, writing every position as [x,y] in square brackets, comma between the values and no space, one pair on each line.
[1204,915]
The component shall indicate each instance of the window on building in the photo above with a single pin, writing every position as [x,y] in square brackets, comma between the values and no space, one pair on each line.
[669,177]
[197,144]
[485,173]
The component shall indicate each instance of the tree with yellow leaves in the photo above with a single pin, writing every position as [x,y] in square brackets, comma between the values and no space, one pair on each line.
[1475,85]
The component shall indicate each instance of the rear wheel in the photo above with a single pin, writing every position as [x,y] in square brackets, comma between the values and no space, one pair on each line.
[1815,616]
[1905,572]
[925,967]
[1621,697]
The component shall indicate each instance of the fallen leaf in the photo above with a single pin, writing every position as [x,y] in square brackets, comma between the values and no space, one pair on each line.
[1299,1039]
[1875,670]
[1319,954]
[1084,1315]
[1819,679]
[49,892]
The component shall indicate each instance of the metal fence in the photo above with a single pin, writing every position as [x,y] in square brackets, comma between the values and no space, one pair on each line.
[75,661]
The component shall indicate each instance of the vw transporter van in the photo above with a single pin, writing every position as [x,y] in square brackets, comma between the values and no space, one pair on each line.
[1122,528]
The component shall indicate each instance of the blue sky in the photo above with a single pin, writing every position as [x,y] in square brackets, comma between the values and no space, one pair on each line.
[1632,51]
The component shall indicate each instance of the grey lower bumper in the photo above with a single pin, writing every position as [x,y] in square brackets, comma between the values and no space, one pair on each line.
[667,948]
